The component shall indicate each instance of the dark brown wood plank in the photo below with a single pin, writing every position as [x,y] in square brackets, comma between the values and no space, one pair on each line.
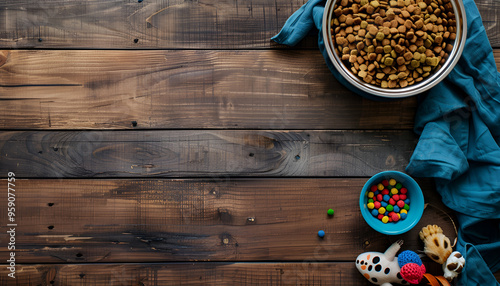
[490,9]
[217,274]
[160,24]
[205,153]
[268,89]
[75,221]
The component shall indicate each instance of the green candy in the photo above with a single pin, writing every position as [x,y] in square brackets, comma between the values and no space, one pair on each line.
[407,207]
[389,208]
[331,212]
[399,186]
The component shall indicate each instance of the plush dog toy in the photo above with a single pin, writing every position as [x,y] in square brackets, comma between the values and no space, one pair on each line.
[438,247]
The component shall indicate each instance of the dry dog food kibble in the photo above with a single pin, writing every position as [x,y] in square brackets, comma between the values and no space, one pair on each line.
[388,201]
[393,43]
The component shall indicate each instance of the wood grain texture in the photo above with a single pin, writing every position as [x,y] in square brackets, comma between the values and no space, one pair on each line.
[215,274]
[206,24]
[205,153]
[188,89]
[95,221]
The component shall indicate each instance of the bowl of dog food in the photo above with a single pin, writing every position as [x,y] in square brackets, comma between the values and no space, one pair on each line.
[391,202]
[394,48]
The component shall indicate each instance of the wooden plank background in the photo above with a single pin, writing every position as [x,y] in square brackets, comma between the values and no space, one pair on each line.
[250,89]
[160,153]
[101,102]
[302,273]
[163,24]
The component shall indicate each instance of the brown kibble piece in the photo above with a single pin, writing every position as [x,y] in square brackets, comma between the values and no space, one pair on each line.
[408,56]
[372,30]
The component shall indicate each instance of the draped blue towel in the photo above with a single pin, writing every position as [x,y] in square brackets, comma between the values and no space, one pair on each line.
[458,121]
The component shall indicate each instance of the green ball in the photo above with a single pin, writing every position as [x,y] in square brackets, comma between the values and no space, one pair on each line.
[407,207]
[389,208]
[331,212]
[399,186]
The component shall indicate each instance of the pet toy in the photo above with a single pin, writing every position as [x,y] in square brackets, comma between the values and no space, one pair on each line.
[385,268]
[438,247]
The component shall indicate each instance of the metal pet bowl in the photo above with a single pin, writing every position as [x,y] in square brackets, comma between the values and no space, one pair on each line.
[407,91]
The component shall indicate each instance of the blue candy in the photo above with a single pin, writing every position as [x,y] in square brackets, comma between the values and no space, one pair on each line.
[396,209]
[407,201]
[321,233]
[387,198]
[384,204]
[403,215]
[374,212]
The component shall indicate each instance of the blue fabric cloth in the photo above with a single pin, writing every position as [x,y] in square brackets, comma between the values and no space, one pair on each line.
[458,121]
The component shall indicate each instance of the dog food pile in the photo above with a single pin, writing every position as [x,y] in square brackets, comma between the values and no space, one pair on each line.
[388,201]
[393,43]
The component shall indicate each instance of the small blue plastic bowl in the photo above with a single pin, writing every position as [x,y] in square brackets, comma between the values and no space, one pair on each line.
[416,203]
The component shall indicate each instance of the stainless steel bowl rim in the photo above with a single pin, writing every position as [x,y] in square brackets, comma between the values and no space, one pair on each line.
[418,88]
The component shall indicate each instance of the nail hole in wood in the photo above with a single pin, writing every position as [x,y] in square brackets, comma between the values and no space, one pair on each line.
[134,123]
[55,148]
[50,204]
[136,41]
[297,157]
[50,227]
[79,254]
[251,154]
[81,275]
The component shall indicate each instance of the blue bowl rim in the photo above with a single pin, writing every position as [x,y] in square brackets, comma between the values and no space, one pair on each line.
[403,226]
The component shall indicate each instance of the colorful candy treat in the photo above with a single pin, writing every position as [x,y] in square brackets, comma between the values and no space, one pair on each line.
[321,233]
[388,201]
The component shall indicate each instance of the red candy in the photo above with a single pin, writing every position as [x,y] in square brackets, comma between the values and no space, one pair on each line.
[377,205]
[385,183]
[374,188]
[380,197]
[380,216]
[396,197]
[385,192]
[403,190]
[392,201]
[401,204]
[402,197]
[394,217]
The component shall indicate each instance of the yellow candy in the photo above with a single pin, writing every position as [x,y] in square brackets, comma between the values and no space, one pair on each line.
[403,211]
[392,182]
[380,187]
[385,219]
[370,195]
[399,216]
[394,191]
[381,210]
[370,205]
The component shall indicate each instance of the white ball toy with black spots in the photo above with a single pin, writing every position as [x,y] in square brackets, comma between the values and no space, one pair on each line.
[381,268]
